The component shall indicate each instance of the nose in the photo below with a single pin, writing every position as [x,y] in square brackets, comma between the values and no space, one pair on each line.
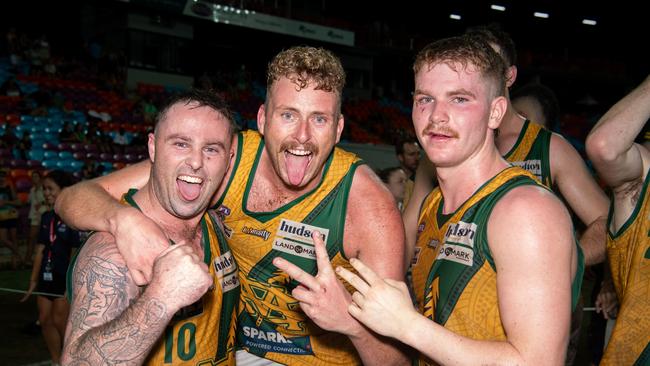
[438,113]
[195,159]
[303,131]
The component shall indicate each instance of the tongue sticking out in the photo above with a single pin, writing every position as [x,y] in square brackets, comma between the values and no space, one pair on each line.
[189,191]
[296,167]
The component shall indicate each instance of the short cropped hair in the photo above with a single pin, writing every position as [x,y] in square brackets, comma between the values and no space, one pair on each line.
[202,98]
[468,52]
[494,34]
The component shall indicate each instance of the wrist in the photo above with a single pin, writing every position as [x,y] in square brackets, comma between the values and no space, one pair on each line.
[117,217]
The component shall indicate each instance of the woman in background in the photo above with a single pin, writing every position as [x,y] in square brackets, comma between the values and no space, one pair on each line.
[56,245]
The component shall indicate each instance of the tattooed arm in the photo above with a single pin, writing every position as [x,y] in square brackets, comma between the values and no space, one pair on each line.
[111,320]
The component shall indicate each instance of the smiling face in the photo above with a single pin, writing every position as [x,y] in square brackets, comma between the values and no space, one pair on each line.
[300,128]
[453,112]
[190,152]
[51,190]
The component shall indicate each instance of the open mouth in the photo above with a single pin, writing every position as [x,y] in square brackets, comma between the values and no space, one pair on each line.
[189,186]
[297,161]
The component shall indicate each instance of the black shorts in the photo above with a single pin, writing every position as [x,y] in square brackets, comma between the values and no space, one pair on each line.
[8,224]
[56,287]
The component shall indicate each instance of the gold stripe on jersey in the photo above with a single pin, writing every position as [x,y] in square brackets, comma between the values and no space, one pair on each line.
[628,252]
[271,323]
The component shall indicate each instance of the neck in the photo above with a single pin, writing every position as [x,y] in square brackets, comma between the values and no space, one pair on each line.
[512,122]
[176,229]
[458,183]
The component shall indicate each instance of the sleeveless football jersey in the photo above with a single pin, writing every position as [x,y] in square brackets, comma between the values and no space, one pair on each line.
[202,333]
[454,276]
[531,152]
[271,323]
[628,251]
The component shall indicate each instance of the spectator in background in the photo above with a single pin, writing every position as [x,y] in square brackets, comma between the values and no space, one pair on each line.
[395,179]
[67,133]
[537,103]
[57,243]
[407,151]
[37,207]
[9,218]
[10,88]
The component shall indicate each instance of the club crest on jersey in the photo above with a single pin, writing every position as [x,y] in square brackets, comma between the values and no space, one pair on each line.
[295,238]
[226,270]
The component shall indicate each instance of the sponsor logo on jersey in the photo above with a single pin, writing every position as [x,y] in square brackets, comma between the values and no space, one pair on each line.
[291,247]
[295,238]
[433,243]
[272,341]
[461,233]
[264,234]
[456,253]
[226,270]
[534,166]
[420,228]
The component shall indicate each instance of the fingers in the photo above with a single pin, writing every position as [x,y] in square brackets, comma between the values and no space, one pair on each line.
[322,259]
[297,274]
[368,274]
[140,278]
[354,280]
[303,295]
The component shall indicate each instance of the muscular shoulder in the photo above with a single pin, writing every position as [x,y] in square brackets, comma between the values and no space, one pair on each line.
[565,159]
[369,198]
[102,245]
[530,212]
[374,231]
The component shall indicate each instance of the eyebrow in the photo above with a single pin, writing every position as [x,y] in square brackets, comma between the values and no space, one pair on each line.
[460,91]
[185,138]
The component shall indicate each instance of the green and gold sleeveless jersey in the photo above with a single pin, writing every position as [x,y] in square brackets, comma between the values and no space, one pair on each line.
[454,277]
[628,251]
[271,323]
[202,333]
[532,152]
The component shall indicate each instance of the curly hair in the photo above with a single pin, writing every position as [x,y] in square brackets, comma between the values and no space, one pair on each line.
[467,52]
[304,65]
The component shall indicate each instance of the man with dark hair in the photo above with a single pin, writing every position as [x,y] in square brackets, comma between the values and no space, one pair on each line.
[407,151]
[115,321]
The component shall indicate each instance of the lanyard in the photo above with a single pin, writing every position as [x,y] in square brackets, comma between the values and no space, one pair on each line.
[52,236]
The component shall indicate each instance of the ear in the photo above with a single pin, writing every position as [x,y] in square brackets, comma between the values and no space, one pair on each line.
[339,128]
[497,111]
[261,118]
[511,76]
[151,145]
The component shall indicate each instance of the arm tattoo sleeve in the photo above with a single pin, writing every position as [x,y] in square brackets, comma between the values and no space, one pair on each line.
[113,322]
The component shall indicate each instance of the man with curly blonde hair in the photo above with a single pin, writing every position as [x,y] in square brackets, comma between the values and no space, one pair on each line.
[287,183]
